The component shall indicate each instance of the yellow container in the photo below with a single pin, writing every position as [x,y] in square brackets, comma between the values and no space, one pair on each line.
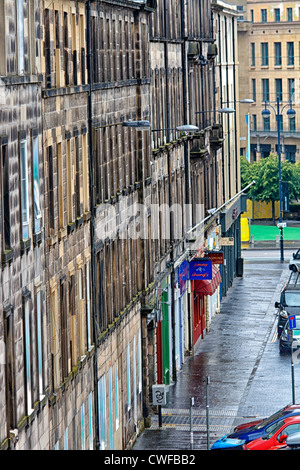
[245,233]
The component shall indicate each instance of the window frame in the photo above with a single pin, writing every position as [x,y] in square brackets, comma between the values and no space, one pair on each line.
[264,54]
[290,53]
[24,200]
[277,54]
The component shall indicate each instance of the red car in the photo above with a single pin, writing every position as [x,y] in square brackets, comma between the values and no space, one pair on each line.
[277,434]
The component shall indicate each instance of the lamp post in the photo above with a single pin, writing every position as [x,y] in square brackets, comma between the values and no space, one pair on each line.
[144,125]
[266,113]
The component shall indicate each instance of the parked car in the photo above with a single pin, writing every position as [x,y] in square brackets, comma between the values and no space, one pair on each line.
[277,434]
[290,338]
[294,263]
[289,304]
[254,429]
[292,443]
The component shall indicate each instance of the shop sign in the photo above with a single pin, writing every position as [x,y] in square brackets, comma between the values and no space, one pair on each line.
[227,241]
[183,276]
[200,269]
[230,215]
[217,257]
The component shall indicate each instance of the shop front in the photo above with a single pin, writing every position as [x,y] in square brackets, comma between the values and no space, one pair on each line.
[205,279]
[231,242]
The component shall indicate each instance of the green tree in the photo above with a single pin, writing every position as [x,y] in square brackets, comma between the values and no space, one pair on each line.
[265,173]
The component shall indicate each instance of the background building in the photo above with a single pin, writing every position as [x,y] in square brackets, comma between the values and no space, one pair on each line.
[269,31]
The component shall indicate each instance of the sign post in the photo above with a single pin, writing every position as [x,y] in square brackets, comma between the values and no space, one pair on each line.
[159,398]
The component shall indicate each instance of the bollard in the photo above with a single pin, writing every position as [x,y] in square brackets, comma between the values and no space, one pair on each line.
[191,424]
[207,410]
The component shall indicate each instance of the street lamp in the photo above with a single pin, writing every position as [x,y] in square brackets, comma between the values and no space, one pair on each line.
[137,125]
[141,125]
[146,125]
[290,113]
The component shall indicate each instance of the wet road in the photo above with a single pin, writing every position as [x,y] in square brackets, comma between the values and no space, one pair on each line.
[248,376]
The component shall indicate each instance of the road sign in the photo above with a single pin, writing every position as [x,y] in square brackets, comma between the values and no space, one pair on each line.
[159,394]
[292,322]
[281,225]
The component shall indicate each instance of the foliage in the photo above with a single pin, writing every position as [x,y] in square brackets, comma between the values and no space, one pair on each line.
[266,176]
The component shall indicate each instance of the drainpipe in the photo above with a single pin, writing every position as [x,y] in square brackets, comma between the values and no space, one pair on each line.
[235,114]
[172,274]
[186,154]
[228,117]
[92,224]
[221,99]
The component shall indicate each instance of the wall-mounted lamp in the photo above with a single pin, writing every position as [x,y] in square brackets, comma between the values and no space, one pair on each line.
[145,125]
[226,110]
[138,125]
[243,101]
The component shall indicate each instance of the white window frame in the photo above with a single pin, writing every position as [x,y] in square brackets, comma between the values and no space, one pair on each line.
[91,434]
[27,357]
[39,327]
[24,189]
[128,377]
[36,184]
[20,37]
[82,426]
[117,395]
[102,411]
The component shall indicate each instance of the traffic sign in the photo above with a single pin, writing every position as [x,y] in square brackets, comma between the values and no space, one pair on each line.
[292,322]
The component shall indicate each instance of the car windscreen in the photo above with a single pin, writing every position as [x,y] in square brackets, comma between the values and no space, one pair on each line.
[291,299]
[271,419]
[270,430]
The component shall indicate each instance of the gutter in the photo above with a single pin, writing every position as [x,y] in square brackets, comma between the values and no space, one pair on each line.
[92,223]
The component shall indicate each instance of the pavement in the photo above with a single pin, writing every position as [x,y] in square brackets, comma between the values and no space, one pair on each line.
[237,373]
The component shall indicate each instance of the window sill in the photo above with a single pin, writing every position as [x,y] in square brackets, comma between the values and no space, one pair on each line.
[71,227]
[62,233]
[52,240]
[25,245]
[79,221]
[37,237]
[7,256]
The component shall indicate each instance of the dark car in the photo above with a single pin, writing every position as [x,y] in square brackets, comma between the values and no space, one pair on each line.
[290,338]
[242,435]
[289,304]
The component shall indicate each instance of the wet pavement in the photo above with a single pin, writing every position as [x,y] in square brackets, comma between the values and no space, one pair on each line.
[248,376]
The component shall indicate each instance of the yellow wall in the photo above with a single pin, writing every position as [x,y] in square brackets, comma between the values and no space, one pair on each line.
[260,210]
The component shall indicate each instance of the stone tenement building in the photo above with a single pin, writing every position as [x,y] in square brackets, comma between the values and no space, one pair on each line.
[270,33]
[95,302]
